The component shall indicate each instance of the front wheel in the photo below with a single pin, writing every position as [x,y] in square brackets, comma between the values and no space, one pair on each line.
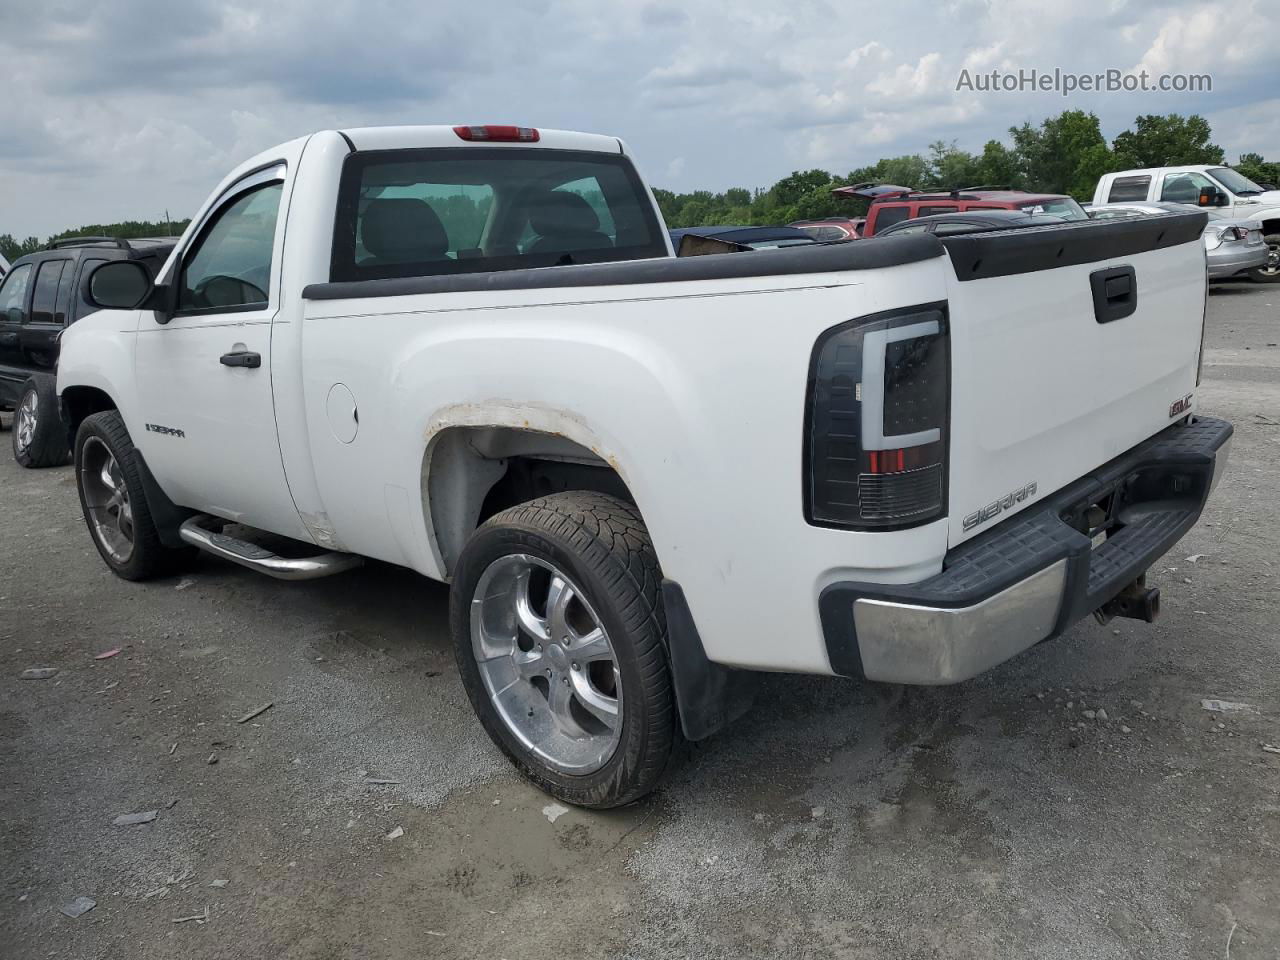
[39,435]
[1269,272]
[114,502]
[559,633]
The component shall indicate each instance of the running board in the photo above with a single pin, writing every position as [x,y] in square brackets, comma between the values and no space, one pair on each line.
[196,532]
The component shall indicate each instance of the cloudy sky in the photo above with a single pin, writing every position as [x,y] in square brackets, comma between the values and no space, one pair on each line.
[120,110]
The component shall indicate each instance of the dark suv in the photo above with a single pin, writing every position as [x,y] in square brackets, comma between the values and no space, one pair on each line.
[42,294]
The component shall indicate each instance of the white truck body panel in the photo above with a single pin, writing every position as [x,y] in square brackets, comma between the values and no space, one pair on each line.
[1024,412]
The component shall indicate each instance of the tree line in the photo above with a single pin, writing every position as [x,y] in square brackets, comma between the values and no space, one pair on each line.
[12,248]
[1064,154]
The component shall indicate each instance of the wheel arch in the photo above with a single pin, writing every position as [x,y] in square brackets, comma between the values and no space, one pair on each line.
[80,402]
[480,461]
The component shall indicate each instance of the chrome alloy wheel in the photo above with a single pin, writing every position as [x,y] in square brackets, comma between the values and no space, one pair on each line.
[547,663]
[1272,266]
[106,498]
[24,421]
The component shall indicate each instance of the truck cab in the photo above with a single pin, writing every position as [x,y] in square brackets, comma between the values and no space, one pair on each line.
[1204,186]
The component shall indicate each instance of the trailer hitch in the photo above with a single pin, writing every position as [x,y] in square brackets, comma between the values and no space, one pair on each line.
[1136,601]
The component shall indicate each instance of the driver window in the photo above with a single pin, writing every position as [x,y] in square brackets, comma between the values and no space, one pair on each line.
[231,266]
[1185,187]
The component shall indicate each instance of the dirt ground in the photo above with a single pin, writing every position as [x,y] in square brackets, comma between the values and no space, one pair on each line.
[989,820]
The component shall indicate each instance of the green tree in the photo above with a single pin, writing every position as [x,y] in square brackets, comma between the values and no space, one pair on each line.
[1164,141]
[998,166]
[12,248]
[911,170]
[790,189]
[1258,170]
[1057,156]
[951,168]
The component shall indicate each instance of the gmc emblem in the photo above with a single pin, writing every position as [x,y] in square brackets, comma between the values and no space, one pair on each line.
[1181,406]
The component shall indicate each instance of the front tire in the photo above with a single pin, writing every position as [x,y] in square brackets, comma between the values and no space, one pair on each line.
[1269,272]
[115,504]
[39,435]
[560,638]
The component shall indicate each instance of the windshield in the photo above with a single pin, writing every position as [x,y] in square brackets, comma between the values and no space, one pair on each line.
[1065,209]
[419,213]
[1237,183]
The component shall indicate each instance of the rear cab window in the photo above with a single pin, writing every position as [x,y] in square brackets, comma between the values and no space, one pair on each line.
[416,213]
[1128,189]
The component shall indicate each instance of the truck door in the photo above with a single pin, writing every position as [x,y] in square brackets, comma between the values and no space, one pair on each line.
[13,314]
[38,338]
[208,427]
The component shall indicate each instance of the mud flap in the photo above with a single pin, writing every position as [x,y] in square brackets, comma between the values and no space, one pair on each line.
[708,696]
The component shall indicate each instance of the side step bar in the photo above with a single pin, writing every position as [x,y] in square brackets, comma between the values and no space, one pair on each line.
[196,532]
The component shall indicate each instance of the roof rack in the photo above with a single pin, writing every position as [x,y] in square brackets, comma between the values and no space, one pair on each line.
[88,241]
[119,242]
[988,186]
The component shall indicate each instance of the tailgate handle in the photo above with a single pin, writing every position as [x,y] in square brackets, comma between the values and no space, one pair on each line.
[1115,293]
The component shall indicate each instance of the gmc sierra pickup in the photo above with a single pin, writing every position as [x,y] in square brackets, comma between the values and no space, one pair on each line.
[470,351]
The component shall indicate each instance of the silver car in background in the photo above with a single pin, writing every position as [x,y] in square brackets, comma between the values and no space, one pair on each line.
[1231,246]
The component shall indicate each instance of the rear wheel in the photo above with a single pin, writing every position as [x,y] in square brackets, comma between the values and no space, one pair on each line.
[1269,272]
[115,502]
[559,634]
[39,435]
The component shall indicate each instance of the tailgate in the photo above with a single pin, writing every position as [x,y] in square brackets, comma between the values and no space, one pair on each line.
[1070,344]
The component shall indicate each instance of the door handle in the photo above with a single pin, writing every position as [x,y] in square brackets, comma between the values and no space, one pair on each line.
[1115,293]
[241,358]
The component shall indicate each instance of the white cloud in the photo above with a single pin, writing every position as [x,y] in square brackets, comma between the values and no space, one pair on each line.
[112,112]
[908,82]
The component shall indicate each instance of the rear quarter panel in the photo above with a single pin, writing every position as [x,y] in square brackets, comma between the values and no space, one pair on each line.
[694,392]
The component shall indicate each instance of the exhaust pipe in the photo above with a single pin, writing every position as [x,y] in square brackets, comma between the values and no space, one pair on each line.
[1137,601]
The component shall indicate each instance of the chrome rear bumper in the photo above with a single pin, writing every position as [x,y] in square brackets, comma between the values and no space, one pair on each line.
[1033,575]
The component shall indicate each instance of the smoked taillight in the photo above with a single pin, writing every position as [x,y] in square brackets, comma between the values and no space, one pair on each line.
[497,133]
[876,428]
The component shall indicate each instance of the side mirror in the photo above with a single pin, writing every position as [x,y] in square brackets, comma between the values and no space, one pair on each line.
[1211,197]
[119,285]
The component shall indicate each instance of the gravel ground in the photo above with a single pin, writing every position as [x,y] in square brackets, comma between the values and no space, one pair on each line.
[1001,818]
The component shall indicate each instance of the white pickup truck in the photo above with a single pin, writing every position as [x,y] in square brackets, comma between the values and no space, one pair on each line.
[1219,188]
[470,351]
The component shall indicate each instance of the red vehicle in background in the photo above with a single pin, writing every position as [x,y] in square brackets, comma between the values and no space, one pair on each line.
[892,204]
[828,229]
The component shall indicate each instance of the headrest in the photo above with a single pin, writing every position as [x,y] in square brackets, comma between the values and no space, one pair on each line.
[557,212]
[404,230]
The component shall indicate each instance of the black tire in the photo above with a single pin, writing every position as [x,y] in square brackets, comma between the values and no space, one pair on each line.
[46,444]
[149,557]
[1270,272]
[601,544]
